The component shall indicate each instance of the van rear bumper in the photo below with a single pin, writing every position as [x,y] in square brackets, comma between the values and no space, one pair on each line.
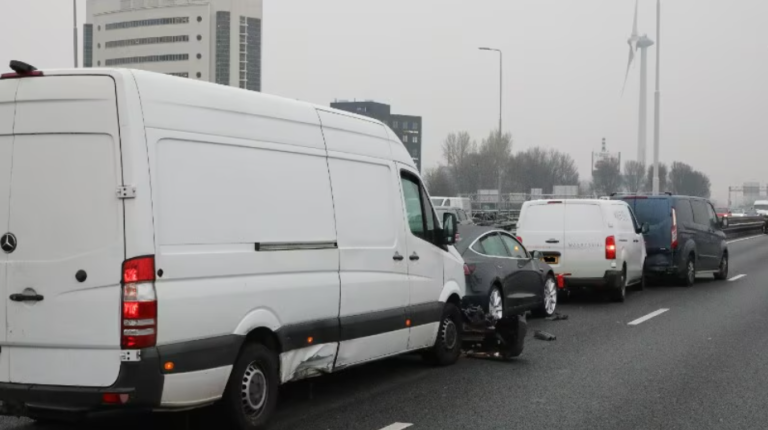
[141,380]
[611,279]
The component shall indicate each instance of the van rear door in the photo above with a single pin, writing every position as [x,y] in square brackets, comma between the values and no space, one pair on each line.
[62,292]
[541,228]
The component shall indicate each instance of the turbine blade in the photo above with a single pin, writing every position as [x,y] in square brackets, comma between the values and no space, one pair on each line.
[629,65]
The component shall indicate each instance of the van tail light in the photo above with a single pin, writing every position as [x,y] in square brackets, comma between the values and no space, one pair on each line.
[610,248]
[139,305]
[519,239]
[674,229]
[469,269]
[560,281]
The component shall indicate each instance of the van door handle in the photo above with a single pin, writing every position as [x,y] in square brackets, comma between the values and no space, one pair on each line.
[414,257]
[553,241]
[635,241]
[397,256]
[27,297]
[623,240]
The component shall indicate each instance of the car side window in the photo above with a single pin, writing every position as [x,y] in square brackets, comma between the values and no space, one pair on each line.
[684,212]
[700,213]
[712,215]
[493,246]
[462,215]
[513,246]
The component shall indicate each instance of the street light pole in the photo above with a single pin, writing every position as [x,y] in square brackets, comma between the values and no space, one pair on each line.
[501,105]
[74,21]
[657,102]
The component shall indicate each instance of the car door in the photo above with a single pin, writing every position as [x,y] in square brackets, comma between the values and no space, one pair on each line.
[717,236]
[424,259]
[528,272]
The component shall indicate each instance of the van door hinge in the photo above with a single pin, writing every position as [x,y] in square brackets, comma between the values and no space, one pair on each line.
[126,192]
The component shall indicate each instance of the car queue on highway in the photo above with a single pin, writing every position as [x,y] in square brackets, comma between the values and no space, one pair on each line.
[164,280]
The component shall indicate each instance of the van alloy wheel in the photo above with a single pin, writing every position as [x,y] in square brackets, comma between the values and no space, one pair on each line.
[253,390]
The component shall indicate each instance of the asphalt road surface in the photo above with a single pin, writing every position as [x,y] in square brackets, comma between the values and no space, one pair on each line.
[668,358]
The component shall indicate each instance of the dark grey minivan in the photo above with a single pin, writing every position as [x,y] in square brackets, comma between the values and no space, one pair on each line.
[685,237]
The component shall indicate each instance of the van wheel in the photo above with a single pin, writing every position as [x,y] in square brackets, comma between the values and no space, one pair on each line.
[619,295]
[722,273]
[689,276]
[251,394]
[448,343]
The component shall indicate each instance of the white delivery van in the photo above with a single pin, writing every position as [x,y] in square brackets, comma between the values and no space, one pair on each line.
[170,243]
[455,202]
[592,243]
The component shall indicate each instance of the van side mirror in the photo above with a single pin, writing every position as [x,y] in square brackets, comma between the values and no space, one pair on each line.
[645,228]
[449,228]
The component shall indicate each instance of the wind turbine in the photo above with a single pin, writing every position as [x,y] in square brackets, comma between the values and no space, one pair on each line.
[642,43]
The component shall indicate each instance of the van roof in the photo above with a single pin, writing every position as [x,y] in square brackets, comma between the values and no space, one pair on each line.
[197,94]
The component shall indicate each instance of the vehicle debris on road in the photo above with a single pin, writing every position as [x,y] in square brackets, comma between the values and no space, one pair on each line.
[557,317]
[542,335]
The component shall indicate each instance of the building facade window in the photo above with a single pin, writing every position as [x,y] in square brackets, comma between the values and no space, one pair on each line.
[147,23]
[394,124]
[88,45]
[415,139]
[179,74]
[222,47]
[146,41]
[146,59]
[250,53]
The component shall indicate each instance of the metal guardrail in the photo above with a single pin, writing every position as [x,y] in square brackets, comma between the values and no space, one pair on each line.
[738,225]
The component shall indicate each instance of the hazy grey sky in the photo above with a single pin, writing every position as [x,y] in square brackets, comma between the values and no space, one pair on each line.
[564,63]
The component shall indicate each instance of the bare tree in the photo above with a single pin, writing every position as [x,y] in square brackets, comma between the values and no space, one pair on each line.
[683,179]
[606,179]
[539,168]
[439,182]
[662,178]
[634,176]
[495,152]
[460,154]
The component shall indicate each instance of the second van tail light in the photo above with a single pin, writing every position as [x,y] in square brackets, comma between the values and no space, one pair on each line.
[519,239]
[674,229]
[469,269]
[610,248]
[138,326]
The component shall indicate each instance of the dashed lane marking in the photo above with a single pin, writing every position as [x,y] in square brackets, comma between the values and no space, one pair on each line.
[647,317]
[737,277]
[397,426]
[744,238]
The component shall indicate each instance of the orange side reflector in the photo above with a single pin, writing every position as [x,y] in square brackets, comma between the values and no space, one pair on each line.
[408,323]
[310,339]
[169,366]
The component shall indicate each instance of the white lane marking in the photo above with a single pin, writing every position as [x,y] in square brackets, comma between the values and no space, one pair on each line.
[647,317]
[397,426]
[745,238]
[737,277]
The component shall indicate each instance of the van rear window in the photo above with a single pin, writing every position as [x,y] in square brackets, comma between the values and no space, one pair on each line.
[652,211]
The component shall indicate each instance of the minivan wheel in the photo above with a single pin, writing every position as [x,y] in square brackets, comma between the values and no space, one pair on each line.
[447,347]
[689,276]
[251,394]
[619,295]
[549,305]
[722,272]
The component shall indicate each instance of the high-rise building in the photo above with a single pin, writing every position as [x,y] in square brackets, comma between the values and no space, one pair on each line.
[212,40]
[407,127]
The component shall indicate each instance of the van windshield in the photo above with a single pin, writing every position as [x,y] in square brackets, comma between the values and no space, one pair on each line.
[761,207]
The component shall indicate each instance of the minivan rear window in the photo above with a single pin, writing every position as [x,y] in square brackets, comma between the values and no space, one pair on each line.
[652,211]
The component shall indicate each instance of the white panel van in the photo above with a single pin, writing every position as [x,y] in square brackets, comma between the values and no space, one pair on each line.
[592,243]
[455,202]
[170,243]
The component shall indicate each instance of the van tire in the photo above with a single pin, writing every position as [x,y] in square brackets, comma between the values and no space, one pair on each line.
[447,347]
[257,365]
[619,294]
[722,272]
[688,277]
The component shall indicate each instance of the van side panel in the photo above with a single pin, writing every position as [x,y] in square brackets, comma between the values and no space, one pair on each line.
[585,233]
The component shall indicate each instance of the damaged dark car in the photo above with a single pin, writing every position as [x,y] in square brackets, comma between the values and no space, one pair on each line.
[504,283]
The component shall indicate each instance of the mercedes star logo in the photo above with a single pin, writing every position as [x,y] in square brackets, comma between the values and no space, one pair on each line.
[8,243]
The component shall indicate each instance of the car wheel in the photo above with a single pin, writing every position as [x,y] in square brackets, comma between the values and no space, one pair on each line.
[689,276]
[549,305]
[251,394]
[447,346]
[619,295]
[722,272]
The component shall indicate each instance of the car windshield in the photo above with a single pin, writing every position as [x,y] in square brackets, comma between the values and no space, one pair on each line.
[761,207]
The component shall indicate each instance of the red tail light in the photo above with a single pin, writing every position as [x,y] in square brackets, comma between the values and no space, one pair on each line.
[139,310]
[14,75]
[469,269]
[610,248]
[674,229]
[519,239]
[560,281]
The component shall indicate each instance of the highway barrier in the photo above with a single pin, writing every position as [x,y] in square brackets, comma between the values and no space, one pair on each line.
[746,225]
